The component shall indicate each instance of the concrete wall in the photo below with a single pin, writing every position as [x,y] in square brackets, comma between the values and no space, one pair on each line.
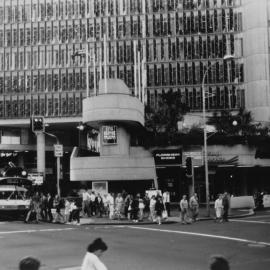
[112,168]
[121,148]
[113,107]
[256,55]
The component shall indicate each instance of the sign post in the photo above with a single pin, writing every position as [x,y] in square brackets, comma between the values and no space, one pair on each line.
[58,153]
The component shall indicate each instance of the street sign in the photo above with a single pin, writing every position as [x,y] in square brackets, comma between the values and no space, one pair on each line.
[58,150]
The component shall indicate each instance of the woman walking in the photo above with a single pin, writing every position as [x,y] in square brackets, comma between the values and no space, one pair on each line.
[91,259]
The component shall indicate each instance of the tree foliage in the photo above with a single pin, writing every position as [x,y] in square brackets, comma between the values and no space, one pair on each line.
[240,124]
[163,118]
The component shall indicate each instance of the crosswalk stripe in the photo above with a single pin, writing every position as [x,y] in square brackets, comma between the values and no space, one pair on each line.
[71,268]
[251,221]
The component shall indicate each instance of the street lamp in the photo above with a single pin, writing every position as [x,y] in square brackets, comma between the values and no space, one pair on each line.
[226,57]
[80,128]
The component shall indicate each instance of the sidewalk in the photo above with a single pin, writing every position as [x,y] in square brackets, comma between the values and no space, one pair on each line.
[175,218]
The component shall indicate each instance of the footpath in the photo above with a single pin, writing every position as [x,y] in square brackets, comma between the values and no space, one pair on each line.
[174,218]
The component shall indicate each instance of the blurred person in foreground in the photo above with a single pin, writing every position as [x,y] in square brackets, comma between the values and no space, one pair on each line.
[29,263]
[91,259]
[218,262]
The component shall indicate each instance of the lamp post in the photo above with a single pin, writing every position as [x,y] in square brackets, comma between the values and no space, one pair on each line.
[226,57]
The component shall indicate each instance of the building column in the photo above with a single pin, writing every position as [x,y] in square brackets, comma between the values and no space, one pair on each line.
[41,152]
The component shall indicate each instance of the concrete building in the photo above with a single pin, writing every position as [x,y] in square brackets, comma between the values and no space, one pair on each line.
[177,41]
[118,119]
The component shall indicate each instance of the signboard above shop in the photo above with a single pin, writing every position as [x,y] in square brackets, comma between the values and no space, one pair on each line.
[168,157]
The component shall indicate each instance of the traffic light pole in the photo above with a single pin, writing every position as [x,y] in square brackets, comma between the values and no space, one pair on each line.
[57,164]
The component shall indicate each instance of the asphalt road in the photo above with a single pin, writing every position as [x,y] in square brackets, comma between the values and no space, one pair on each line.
[245,242]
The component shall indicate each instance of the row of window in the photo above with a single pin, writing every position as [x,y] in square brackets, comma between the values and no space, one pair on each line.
[192,73]
[227,97]
[79,30]
[13,11]
[166,74]
[120,28]
[122,52]
[47,105]
[70,104]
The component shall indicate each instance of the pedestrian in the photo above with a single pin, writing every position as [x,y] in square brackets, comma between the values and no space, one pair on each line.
[135,208]
[146,201]
[33,209]
[99,205]
[49,207]
[218,262]
[159,208]
[58,218]
[43,207]
[194,206]
[67,210]
[75,212]
[111,205]
[91,260]
[152,208]
[119,202]
[167,202]
[93,203]
[141,209]
[184,210]
[85,203]
[126,205]
[226,206]
[106,205]
[29,263]
[219,208]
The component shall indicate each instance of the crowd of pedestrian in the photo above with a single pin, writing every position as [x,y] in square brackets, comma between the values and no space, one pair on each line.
[153,207]
[126,206]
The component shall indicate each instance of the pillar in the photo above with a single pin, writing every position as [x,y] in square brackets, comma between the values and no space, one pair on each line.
[41,152]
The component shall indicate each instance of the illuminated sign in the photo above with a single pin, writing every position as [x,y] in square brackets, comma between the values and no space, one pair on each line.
[109,134]
[168,156]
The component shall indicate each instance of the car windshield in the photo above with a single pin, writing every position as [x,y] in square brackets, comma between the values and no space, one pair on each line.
[13,195]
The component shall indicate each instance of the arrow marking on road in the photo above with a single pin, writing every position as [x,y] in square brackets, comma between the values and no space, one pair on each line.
[204,235]
[41,230]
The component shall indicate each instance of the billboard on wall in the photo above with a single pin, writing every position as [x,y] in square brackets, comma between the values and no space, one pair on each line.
[168,157]
[109,134]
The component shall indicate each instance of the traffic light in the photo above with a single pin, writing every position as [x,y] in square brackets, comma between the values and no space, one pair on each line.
[37,124]
[189,166]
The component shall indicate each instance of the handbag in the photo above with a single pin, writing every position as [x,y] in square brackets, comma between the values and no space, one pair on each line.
[165,214]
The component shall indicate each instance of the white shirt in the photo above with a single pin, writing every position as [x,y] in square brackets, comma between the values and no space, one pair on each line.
[92,262]
[218,203]
[85,196]
[166,197]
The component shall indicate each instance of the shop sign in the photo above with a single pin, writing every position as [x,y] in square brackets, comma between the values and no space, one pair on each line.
[37,178]
[168,156]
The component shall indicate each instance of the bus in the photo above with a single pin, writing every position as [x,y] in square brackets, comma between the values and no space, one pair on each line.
[14,196]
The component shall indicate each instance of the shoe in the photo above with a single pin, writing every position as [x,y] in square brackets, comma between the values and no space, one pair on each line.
[78,224]
[159,223]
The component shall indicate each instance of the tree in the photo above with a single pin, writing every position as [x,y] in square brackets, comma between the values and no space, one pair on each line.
[239,124]
[164,117]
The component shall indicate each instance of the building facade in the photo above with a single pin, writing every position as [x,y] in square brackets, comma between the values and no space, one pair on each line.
[179,41]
